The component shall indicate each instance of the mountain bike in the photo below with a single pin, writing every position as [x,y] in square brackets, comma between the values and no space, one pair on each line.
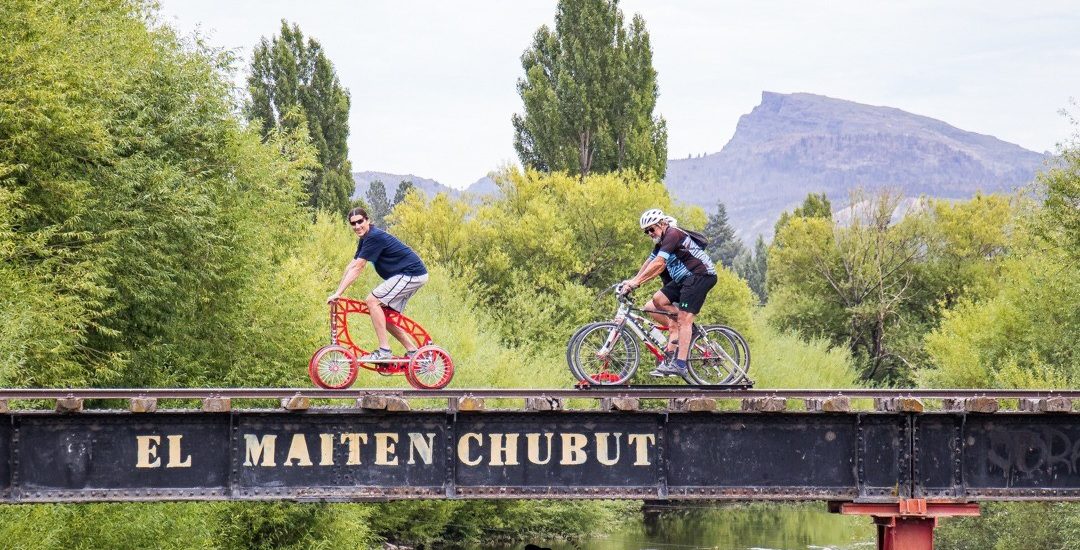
[335,366]
[609,352]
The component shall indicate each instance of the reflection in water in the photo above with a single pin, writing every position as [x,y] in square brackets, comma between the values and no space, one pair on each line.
[732,526]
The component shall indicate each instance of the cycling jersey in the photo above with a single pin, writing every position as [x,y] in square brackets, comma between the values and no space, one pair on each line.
[682,255]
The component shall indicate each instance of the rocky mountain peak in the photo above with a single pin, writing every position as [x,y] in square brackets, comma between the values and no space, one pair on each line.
[794,144]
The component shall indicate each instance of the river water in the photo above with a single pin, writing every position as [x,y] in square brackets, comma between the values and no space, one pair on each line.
[739,526]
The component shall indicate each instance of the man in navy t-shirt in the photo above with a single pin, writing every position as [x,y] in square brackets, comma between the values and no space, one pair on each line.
[403,273]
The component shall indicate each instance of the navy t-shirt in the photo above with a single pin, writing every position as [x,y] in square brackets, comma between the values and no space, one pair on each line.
[389,255]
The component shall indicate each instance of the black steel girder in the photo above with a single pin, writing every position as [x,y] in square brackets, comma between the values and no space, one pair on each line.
[353,454]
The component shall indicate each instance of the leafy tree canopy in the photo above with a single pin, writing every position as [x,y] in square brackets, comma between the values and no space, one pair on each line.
[589,92]
[877,285]
[814,206]
[546,246]
[1017,325]
[753,267]
[403,189]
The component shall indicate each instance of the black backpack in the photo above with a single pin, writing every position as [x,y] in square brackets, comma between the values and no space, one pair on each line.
[698,238]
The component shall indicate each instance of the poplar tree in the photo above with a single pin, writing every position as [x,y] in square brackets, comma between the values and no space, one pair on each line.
[589,92]
[293,83]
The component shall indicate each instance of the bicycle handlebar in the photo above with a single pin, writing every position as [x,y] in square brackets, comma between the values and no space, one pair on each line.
[625,298]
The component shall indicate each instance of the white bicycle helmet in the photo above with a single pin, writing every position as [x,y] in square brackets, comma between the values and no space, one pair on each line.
[651,217]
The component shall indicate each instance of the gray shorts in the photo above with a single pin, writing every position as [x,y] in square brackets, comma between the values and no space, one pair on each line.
[395,292]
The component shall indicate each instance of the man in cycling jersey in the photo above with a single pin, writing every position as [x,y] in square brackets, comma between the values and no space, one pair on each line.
[692,275]
[403,273]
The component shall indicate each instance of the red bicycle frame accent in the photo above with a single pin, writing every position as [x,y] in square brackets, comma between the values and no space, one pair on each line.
[339,329]
[653,349]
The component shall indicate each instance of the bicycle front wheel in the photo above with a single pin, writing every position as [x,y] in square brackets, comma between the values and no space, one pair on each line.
[604,354]
[714,357]
[571,350]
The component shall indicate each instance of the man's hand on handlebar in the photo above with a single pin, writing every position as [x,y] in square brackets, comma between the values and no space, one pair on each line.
[624,288]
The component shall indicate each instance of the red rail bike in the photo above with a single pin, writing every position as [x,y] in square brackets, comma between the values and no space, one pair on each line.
[335,366]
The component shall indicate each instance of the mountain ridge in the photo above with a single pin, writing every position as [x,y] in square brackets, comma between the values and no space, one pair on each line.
[793,144]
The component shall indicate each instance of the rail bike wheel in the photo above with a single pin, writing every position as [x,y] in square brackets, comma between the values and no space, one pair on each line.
[333,367]
[430,368]
[604,354]
[714,357]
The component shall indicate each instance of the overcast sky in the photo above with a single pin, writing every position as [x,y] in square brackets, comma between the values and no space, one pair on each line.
[433,82]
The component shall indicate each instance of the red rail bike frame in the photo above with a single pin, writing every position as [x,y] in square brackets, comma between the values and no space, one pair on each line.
[339,329]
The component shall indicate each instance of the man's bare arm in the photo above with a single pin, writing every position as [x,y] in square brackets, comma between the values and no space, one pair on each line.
[648,271]
[352,271]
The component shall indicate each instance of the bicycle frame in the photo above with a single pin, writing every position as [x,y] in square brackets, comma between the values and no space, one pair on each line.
[627,315]
[717,354]
[335,366]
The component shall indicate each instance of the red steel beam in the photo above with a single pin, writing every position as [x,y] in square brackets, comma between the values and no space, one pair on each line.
[907,524]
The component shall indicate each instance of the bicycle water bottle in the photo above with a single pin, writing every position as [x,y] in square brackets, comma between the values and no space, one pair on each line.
[657,335]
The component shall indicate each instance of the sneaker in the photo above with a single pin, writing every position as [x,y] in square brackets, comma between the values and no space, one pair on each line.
[668,359]
[668,368]
[669,356]
[377,355]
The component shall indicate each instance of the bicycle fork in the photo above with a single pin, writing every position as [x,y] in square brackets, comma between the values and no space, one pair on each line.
[613,336]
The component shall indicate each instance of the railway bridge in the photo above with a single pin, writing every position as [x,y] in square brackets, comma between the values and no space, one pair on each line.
[904,457]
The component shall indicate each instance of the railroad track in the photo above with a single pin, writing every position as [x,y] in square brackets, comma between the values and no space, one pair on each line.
[596,392]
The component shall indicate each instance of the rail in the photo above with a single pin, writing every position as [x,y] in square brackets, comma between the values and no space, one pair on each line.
[643,392]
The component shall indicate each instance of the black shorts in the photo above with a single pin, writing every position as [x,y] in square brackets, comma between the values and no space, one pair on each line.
[689,294]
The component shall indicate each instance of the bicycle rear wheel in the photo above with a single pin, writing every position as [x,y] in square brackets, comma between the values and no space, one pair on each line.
[714,357]
[743,348]
[604,354]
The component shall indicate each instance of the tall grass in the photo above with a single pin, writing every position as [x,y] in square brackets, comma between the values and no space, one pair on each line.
[784,359]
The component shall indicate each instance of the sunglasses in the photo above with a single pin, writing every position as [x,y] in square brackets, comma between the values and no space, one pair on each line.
[649,230]
[355,223]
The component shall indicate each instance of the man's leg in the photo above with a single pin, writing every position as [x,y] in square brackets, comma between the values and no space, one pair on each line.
[378,320]
[690,300]
[661,302]
[665,300]
[686,326]
[394,294]
[402,336]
